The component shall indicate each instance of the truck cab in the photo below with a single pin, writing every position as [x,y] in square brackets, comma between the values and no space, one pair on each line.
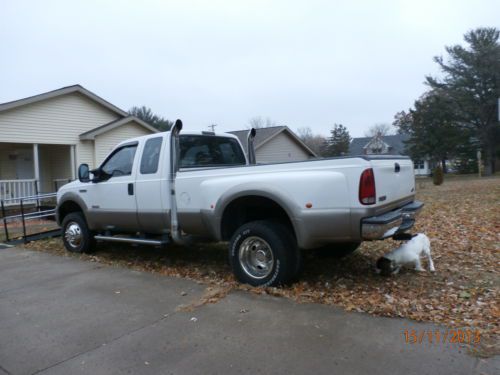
[129,191]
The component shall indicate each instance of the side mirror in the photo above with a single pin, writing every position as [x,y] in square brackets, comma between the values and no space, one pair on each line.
[83,173]
[99,175]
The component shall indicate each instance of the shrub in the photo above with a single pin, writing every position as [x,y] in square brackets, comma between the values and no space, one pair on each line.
[437,175]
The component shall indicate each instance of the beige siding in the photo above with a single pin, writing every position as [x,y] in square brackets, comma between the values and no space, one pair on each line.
[58,120]
[105,142]
[44,157]
[85,154]
[54,164]
[60,161]
[280,149]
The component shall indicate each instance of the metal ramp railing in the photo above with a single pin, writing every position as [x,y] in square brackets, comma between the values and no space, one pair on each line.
[40,207]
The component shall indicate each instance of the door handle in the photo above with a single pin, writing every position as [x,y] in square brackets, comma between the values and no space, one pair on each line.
[131,189]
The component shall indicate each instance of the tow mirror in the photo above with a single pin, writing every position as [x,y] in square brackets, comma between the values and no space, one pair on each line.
[83,173]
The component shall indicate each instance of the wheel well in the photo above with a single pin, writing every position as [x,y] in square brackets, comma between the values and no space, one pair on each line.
[250,208]
[67,208]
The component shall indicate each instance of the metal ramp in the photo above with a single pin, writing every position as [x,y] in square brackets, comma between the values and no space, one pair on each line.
[33,220]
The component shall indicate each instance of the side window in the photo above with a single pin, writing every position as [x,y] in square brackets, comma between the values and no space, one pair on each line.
[209,151]
[120,162]
[151,155]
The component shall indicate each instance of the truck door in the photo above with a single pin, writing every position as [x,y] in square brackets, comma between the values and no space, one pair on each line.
[112,201]
[151,187]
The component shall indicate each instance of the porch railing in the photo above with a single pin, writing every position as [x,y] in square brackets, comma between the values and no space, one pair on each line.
[11,190]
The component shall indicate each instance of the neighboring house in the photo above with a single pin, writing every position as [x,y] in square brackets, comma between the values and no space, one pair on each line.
[386,145]
[43,138]
[276,144]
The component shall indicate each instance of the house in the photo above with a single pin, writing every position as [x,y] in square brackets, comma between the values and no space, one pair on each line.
[43,138]
[386,145]
[276,144]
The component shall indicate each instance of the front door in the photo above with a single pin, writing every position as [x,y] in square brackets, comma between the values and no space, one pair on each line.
[24,165]
[112,201]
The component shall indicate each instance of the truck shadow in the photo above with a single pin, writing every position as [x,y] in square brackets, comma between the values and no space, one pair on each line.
[208,262]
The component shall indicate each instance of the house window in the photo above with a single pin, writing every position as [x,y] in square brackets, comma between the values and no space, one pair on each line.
[418,164]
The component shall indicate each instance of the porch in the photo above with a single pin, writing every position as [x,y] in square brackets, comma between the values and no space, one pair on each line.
[30,169]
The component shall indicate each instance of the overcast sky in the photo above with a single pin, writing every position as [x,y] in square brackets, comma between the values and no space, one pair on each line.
[300,63]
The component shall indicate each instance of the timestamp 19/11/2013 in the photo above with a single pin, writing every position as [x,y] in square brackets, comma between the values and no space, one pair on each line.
[451,336]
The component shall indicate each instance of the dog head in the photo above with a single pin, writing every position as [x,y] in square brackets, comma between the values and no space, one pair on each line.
[386,267]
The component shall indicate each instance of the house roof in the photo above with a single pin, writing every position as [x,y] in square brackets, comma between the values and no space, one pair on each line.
[264,135]
[396,142]
[91,134]
[59,92]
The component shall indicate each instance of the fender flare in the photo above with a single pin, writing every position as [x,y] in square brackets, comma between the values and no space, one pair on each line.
[71,196]
[253,189]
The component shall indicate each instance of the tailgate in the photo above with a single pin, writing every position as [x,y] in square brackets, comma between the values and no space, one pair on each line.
[394,179]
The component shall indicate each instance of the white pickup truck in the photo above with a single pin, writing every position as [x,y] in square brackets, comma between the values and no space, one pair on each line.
[174,187]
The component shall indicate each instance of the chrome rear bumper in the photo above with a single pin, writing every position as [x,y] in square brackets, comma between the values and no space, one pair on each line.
[390,223]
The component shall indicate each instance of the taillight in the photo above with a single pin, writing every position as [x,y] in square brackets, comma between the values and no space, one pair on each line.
[367,187]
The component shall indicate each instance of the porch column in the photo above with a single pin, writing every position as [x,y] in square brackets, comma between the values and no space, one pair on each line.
[72,161]
[36,165]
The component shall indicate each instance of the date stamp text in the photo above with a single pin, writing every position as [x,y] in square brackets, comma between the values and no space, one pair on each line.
[449,336]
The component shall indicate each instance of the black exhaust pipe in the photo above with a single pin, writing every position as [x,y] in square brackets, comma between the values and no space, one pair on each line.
[250,148]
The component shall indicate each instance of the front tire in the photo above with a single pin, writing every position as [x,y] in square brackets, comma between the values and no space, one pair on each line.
[77,237]
[264,253]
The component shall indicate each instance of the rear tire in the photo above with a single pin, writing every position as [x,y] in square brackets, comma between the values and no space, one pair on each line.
[77,237]
[264,253]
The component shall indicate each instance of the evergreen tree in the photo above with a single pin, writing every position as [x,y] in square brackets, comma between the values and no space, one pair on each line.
[147,115]
[433,128]
[472,81]
[338,143]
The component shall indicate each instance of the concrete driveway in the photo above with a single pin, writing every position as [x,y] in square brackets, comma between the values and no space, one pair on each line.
[65,316]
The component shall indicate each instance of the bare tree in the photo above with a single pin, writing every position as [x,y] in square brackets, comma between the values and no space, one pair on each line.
[381,129]
[317,142]
[258,122]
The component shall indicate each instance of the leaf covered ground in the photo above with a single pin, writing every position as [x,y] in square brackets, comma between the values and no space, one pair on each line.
[462,219]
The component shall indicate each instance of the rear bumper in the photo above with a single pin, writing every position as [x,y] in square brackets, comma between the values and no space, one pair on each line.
[390,223]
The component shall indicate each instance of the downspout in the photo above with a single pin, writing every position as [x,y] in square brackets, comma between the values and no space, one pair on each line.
[175,230]
[250,148]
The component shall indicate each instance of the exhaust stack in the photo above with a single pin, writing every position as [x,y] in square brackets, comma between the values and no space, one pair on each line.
[175,231]
[250,148]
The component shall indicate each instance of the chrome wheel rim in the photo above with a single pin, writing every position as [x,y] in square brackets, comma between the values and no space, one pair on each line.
[256,257]
[73,234]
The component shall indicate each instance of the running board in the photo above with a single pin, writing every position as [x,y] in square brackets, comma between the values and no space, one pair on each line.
[140,241]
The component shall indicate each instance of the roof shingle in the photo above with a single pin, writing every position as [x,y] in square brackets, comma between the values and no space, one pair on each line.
[396,142]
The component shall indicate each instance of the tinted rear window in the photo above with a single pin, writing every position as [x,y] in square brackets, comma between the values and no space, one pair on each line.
[209,151]
[151,156]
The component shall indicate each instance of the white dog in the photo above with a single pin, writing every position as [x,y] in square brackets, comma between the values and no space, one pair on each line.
[409,252]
